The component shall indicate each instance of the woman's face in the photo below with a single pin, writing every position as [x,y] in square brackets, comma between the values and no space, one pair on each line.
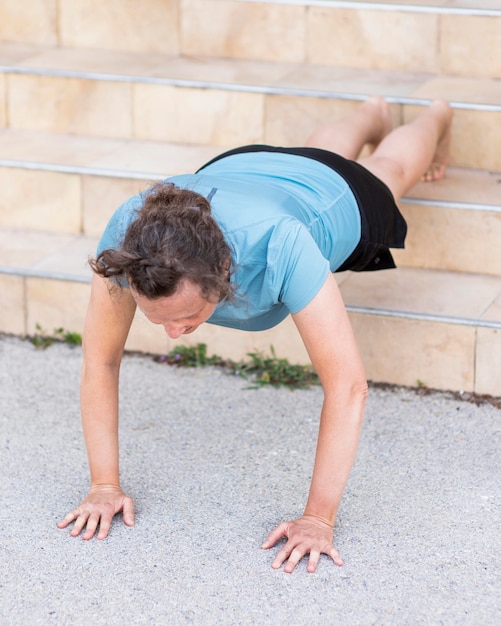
[181,313]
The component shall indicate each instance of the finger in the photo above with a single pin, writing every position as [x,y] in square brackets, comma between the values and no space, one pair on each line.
[280,531]
[128,512]
[67,519]
[106,520]
[313,562]
[104,526]
[334,554]
[79,524]
[64,522]
[92,522]
[282,555]
[295,556]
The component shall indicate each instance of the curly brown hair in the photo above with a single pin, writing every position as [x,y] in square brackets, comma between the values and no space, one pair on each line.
[174,238]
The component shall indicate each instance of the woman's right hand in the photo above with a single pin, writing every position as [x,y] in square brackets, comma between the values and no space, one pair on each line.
[99,507]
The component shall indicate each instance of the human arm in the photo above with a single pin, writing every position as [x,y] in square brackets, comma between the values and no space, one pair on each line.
[328,337]
[107,324]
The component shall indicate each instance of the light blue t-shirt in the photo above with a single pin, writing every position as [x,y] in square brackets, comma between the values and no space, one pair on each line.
[288,220]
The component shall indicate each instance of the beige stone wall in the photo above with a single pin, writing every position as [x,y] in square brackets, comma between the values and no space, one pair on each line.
[138,26]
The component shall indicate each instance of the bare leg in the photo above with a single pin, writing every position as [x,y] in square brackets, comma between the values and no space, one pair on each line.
[436,169]
[415,151]
[368,123]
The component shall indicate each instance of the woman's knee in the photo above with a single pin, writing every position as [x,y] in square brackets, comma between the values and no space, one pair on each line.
[390,171]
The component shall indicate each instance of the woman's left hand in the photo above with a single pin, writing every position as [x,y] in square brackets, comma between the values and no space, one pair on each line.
[305,535]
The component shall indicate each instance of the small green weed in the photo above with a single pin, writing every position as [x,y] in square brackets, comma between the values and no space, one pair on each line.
[41,339]
[264,370]
[71,337]
[271,370]
[190,356]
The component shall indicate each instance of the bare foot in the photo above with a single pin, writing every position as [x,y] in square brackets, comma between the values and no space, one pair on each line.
[368,123]
[382,125]
[440,161]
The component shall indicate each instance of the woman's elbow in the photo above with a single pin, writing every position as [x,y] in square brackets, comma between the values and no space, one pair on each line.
[361,389]
[349,392]
[358,392]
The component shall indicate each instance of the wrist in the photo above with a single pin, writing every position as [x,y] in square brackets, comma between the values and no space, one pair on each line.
[318,518]
[104,474]
[105,486]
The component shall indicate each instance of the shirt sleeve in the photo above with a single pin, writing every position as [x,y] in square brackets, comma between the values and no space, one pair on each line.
[116,228]
[298,268]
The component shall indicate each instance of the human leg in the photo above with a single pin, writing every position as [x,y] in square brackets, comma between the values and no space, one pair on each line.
[368,123]
[415,151]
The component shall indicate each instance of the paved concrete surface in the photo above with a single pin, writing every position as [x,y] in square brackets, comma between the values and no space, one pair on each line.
[213,467]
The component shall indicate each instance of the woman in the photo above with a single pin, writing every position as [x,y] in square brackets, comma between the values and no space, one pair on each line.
[252,237]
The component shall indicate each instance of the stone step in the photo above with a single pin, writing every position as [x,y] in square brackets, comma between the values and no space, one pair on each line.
[454,224]
[437,36]
[221,103]
[73,184]
[147,26]
[413,326]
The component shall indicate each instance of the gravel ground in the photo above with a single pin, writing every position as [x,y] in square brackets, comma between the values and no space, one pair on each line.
[213,467]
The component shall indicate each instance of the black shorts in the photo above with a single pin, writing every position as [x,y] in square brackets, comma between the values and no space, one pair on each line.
[382,224]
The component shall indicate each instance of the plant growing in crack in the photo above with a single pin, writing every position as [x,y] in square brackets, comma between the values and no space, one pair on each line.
[262,369]
[42,339]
